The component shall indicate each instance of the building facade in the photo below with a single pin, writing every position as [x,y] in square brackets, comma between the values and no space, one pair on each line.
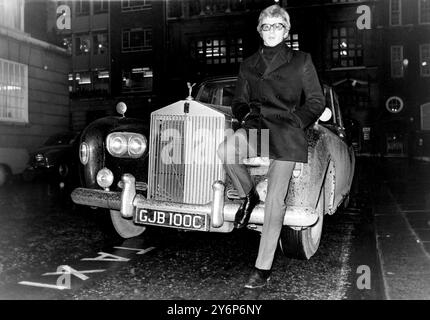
[404,45]
[34,98]
[117,55]
[137,54]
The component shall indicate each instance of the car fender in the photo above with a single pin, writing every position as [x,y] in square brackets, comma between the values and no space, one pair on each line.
[304,191]
[94,135]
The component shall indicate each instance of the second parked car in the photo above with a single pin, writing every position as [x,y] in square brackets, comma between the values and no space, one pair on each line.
[55,160]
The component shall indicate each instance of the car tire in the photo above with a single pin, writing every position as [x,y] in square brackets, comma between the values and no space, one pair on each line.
[303,244]
[125,228]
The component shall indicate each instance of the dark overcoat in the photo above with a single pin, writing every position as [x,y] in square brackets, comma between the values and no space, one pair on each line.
[269,98]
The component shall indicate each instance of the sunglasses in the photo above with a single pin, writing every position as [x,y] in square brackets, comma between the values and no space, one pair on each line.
[276,26]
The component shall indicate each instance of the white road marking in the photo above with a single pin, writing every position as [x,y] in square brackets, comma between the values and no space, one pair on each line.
[42,285]
[103,256]
[83,272]
[141,251]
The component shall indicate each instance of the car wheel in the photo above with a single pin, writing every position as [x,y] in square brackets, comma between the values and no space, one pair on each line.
[304,243]
[125,228]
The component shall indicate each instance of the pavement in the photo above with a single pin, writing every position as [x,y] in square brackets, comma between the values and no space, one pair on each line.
[401,207]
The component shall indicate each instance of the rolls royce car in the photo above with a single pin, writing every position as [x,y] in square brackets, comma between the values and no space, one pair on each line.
[169,175]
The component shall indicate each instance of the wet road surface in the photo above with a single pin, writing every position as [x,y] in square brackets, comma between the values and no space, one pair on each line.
[40,230]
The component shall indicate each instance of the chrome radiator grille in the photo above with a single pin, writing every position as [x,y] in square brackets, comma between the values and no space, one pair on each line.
[183,162]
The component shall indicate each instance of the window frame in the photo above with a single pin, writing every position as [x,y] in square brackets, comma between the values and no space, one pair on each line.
[144,47]
[427,106]
[421,60]
[420,13]
[357,41]
[102,7]
[18,19]
[7,80]
[293,41]
[95,44]
[79,3]
[137,89]
[229,50]
[399,12]
[147,4]
[82,36]
[400,61]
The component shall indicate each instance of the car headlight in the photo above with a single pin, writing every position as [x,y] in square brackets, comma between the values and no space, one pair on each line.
[39,157]
[84,153]
[126,145]
[104,178]
[136,146]
[117,145]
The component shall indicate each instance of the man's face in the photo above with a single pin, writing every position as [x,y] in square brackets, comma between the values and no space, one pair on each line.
[275,33]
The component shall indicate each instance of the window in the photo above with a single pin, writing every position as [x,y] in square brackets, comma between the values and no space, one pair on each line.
[82,45]
[133,5]
[394,104]
[137,79]
[396,61]
[293,41]
[425,116]
[425,60]
[100,6]
[218,50]
[82,7]
[66,43]
[12,14]
[89,84]
[13,91]
[101,81]
[424,11]
[100,43]
[347,48]
[136,39]
[395,12]
[71,80]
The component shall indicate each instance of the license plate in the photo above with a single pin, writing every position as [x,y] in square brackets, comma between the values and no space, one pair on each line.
[172,219]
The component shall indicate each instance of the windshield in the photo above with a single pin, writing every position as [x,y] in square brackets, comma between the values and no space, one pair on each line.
[217,93]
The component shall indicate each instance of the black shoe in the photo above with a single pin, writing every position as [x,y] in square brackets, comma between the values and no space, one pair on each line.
[244,212]
[258,279]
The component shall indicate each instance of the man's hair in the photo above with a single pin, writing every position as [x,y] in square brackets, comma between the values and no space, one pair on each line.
[274,11]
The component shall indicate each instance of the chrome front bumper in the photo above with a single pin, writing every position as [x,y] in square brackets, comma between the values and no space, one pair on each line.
[221,213]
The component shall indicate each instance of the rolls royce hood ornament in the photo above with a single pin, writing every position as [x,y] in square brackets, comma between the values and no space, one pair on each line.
[190,90]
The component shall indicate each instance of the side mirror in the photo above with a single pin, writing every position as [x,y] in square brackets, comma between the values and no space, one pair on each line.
[326,115]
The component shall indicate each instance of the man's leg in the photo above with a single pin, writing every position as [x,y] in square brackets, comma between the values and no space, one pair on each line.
[232,152]
[279,175]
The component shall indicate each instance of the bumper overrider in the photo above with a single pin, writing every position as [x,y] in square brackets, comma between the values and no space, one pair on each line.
[219,215]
